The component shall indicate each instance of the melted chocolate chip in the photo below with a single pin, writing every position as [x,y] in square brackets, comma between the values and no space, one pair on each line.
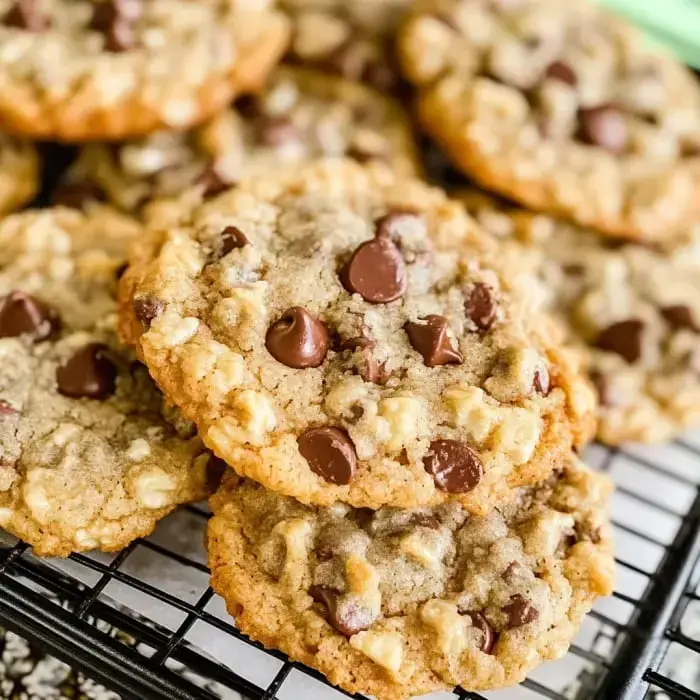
[25,14]
[563,72]
[454,466]
[6,409]
[348,617]
[211,182]
[480,306]
[430,339]
[298,339]
[88,374]
[278,131]
[623,338]
[231,238]
[520,612]
[146,309]
[23,314]
[541,381]
[114,19]
[376,271]
[371,370]
[489,635]
[604,126]
[680,317]
[330,454]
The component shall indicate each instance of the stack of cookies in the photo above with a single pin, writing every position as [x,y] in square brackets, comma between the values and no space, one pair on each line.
[382,387]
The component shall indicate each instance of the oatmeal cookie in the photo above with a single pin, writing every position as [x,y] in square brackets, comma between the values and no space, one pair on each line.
[19,173]
[86,459]
[561,107]
[352,38]
[76,70]
[341,333]
[301,115]
[396,603]
[634,309]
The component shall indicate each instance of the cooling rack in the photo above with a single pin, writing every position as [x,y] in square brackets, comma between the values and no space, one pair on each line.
[175,640]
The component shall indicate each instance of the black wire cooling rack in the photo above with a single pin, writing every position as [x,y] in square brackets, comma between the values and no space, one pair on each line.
[176,641]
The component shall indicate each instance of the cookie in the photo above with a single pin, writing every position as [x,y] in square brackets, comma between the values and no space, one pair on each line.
[395,603]
[352,38]
[634,309]
[87,459]
[562,108]
[341,333]
[19,173]
[77,70]
[301,115]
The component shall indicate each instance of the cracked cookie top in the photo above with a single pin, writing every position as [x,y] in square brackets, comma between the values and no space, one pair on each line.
[561,107]
[635,310]
[110,69]
[396,602]
[86,459]
[341,333]
[301,115]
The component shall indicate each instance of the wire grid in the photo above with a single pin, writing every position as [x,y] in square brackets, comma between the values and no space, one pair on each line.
[178,641]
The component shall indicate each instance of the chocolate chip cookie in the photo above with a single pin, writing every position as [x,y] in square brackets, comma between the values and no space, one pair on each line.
[352,38]
[301,115]
[561,107]
[112,69]
[19,173]
[341,333]
[86,459]
[633,308]
[396,603]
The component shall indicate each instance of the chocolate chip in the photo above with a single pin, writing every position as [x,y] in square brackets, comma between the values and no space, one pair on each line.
[230,239]
[520,612]
[358,342]
[25,14]
[362,154]
[248,106]
[278,131]
[623,338]
[604,126]
[88,374]
[6,409]
[211,182]
[454,466]
[563,72]
[76,194]
[480,306]
[371,370]
[376,271]
[146,309]
[298,339]
[23,314]
[347,616]
[330,454]
[489,635]
[680,317]
[541,381]
[114,19]
[396,222]
[430,339]
[119,272]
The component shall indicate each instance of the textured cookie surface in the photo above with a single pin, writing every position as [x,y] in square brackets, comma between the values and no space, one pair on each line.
[86,459]
[635,310]
[396,603]
[561,107]
[330,342]
[301,115]
[91,69]
[19,173]
[352,38]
